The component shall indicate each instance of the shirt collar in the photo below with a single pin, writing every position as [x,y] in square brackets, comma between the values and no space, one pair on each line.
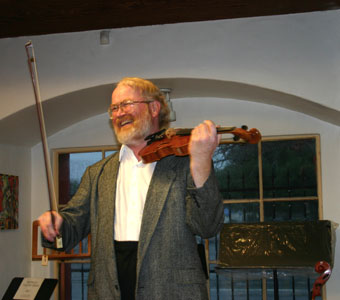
[124,152]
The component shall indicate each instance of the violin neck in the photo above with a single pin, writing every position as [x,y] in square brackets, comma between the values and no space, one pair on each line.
[220,130]
[225,129]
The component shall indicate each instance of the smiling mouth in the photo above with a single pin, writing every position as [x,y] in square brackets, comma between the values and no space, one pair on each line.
[125,122]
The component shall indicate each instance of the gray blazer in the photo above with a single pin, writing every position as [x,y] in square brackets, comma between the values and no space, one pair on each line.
[168,265]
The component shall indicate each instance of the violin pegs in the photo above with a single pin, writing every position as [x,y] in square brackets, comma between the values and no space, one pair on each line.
[245,127]
[236,138]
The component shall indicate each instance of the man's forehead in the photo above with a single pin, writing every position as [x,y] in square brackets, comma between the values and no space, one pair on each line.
[123,92]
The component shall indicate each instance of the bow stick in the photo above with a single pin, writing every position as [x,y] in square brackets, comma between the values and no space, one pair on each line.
[51,190]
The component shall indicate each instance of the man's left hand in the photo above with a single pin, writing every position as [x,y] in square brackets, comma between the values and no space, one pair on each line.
[203,142]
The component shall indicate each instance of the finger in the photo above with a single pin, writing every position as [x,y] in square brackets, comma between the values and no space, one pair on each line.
[48,232]
[46,226]
[219,139]
[58,220]
[211,128]
[203,130]
[210,124]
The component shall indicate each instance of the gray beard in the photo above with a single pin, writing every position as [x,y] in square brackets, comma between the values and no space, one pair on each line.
[136,133]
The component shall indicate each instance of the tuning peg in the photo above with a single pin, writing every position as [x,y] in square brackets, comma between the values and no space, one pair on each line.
[245,127]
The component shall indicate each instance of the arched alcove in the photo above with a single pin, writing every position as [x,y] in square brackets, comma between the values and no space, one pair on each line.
[21,128]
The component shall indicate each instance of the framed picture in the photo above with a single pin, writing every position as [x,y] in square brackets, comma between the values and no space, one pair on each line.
[9,192]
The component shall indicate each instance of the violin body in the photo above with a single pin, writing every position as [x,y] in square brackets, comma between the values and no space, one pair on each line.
[178,145]
[176,142]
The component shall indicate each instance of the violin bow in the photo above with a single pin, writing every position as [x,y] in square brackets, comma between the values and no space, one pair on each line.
[35,82]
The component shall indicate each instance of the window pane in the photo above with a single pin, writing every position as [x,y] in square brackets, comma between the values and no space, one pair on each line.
[302,286]
[84,247]
[255,289]
[290,287]
[220,286]
[291,211]
[236,167]
[289,168]
[108,153]
[213,247]
[78,164]
[71,169]
[79,276]
[241,213]
[234,284]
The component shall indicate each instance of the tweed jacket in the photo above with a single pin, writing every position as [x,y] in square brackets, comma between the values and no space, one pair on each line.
[168,265]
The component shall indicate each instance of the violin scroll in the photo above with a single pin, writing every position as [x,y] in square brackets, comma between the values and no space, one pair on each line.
[252,136]
[324,269]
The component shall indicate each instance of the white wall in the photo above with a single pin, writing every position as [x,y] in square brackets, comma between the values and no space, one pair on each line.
[296,54]
[15,244]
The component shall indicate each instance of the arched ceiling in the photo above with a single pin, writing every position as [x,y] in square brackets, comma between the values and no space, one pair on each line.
[61,112]
[37,17]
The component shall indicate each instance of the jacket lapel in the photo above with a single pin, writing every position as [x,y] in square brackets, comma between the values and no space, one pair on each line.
[161,181]
[107,186]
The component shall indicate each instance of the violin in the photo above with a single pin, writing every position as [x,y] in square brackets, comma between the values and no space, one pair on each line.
[174,141]
[324,269]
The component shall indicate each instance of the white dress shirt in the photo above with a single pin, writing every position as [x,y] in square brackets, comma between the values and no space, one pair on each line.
[132,186]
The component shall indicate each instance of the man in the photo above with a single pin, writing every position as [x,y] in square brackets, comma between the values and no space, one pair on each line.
[143,218]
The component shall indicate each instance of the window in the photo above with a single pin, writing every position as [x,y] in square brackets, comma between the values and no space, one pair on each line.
[276,180]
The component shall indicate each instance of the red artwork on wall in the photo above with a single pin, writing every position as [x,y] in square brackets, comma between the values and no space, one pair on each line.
[9,197]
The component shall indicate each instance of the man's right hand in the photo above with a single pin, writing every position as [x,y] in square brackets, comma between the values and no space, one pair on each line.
[46,226]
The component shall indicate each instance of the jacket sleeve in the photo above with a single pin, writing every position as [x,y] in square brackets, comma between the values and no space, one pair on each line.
[76,216]
[205,213]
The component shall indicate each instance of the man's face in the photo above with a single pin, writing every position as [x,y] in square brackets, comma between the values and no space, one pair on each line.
[131,123]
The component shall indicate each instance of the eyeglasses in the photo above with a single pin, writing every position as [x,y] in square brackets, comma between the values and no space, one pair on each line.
[124,106]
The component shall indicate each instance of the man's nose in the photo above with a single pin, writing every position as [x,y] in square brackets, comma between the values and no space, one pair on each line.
[120,111]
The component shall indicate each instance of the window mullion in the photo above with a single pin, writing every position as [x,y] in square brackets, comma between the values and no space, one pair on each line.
[259,145]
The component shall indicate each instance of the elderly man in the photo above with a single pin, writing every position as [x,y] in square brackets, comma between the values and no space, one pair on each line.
[143,218]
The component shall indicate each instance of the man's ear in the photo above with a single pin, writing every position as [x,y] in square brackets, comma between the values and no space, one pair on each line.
[155,108]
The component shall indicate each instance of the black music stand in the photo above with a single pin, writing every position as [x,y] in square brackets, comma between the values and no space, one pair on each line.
[45,291]
[268,249]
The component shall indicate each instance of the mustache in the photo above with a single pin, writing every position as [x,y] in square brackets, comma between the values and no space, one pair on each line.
[124,119]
